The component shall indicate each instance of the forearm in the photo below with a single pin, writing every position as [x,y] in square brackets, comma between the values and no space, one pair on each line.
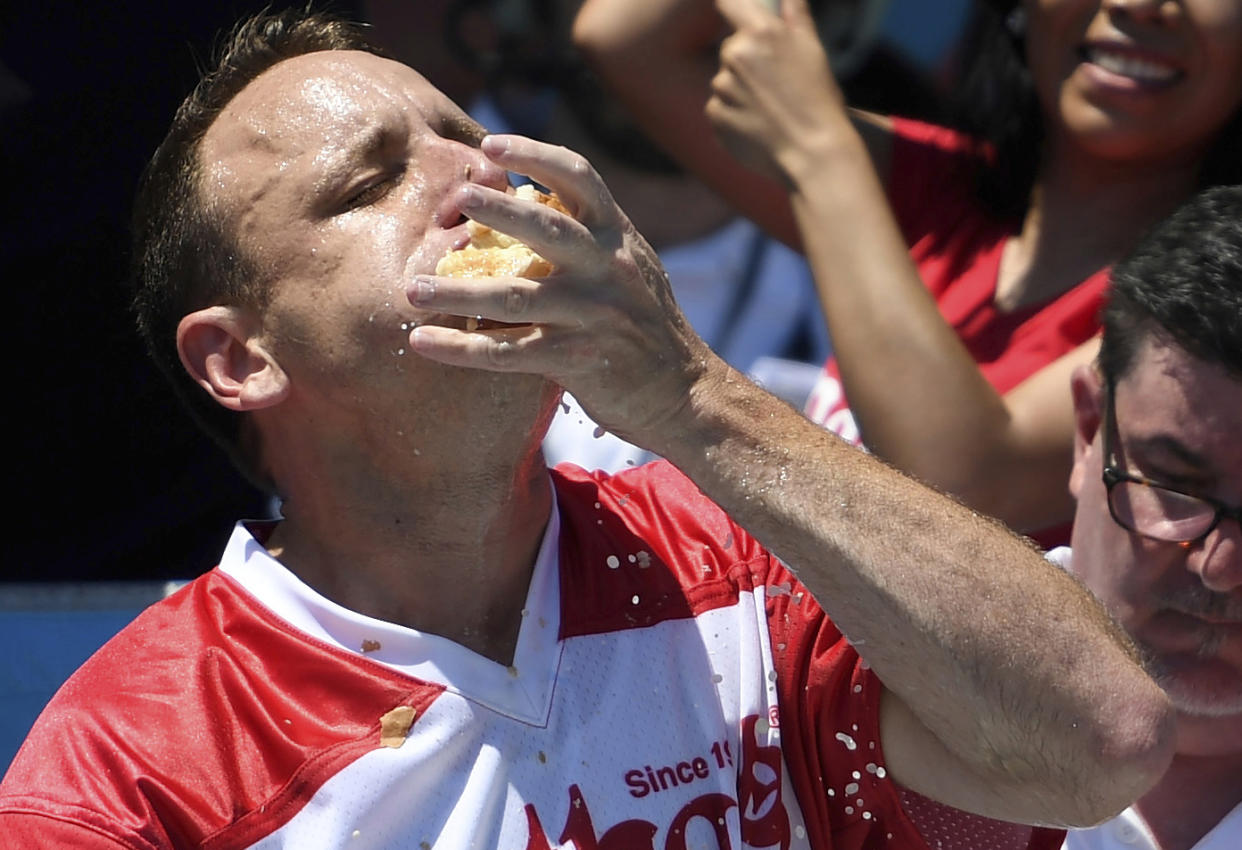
[918,396]
[1010,664]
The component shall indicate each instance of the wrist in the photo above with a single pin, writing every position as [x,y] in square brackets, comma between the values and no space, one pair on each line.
[721,416]
[827,152]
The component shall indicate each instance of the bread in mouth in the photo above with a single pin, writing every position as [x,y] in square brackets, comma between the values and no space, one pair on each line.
[491,253]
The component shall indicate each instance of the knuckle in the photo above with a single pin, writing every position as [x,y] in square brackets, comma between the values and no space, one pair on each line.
[579,167]
[501,353]
[516,301]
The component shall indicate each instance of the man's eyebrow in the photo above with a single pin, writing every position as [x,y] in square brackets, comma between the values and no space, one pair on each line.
[1169,446]
[463,128]
[341,161]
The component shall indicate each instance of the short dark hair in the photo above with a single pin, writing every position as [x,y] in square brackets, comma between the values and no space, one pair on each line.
[184,258]
[1183,281]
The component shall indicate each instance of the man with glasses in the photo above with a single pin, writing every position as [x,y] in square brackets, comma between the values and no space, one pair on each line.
[1158,478]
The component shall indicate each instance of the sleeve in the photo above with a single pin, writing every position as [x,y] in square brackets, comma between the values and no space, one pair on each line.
[931,176]
[829,720]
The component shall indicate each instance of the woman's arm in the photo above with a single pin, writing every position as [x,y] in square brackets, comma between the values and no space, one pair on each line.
[918,397]
[658,57]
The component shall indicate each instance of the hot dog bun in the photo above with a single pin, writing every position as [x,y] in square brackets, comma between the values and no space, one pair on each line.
[491,253]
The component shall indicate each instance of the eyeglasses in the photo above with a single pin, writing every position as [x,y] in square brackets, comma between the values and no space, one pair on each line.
[1153,509]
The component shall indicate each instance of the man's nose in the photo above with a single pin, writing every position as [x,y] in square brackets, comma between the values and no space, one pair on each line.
[1217,559]
[481,170]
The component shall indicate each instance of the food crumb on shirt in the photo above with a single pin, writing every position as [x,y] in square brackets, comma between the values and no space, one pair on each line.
[395,725]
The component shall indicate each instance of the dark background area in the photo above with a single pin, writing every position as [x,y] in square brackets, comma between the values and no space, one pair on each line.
[109,478]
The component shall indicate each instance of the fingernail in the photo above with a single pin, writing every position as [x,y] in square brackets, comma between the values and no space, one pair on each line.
[468,198]
[424,289]
[495,145]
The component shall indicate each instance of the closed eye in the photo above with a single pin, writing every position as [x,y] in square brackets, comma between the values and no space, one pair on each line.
[1188,483]
[372,191]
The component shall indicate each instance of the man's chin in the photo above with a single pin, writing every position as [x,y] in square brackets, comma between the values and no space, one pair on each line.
[1201,687]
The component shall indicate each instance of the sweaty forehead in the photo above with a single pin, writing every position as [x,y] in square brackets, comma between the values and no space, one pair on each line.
[1169,391]
[331,84]
[318,102]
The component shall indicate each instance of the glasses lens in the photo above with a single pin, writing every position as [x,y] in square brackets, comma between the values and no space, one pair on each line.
[1160,513]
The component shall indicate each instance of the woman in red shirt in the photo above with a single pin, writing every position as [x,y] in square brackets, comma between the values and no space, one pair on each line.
[960,273]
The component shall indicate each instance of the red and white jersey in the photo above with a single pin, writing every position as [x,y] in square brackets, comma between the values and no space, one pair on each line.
[673,686]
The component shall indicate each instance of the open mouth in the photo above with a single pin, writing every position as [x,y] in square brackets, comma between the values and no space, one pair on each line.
[1144,70]
[461,238]
[478,323]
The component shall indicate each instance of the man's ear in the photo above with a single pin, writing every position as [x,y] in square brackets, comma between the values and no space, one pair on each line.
[222,349]
[1087,388]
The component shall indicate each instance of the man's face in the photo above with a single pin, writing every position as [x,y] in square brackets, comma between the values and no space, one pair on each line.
[1178,423]
[337,170]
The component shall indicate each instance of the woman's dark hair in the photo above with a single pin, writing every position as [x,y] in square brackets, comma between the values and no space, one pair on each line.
[184,258]
[996,103]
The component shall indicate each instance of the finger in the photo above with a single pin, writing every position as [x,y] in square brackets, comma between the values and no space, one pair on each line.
[745,13]
[726,87]
[565,172]
[532,349]
[562,240]
[512,300]
[500,350]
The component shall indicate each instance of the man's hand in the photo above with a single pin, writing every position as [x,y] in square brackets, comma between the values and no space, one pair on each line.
[604,325]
